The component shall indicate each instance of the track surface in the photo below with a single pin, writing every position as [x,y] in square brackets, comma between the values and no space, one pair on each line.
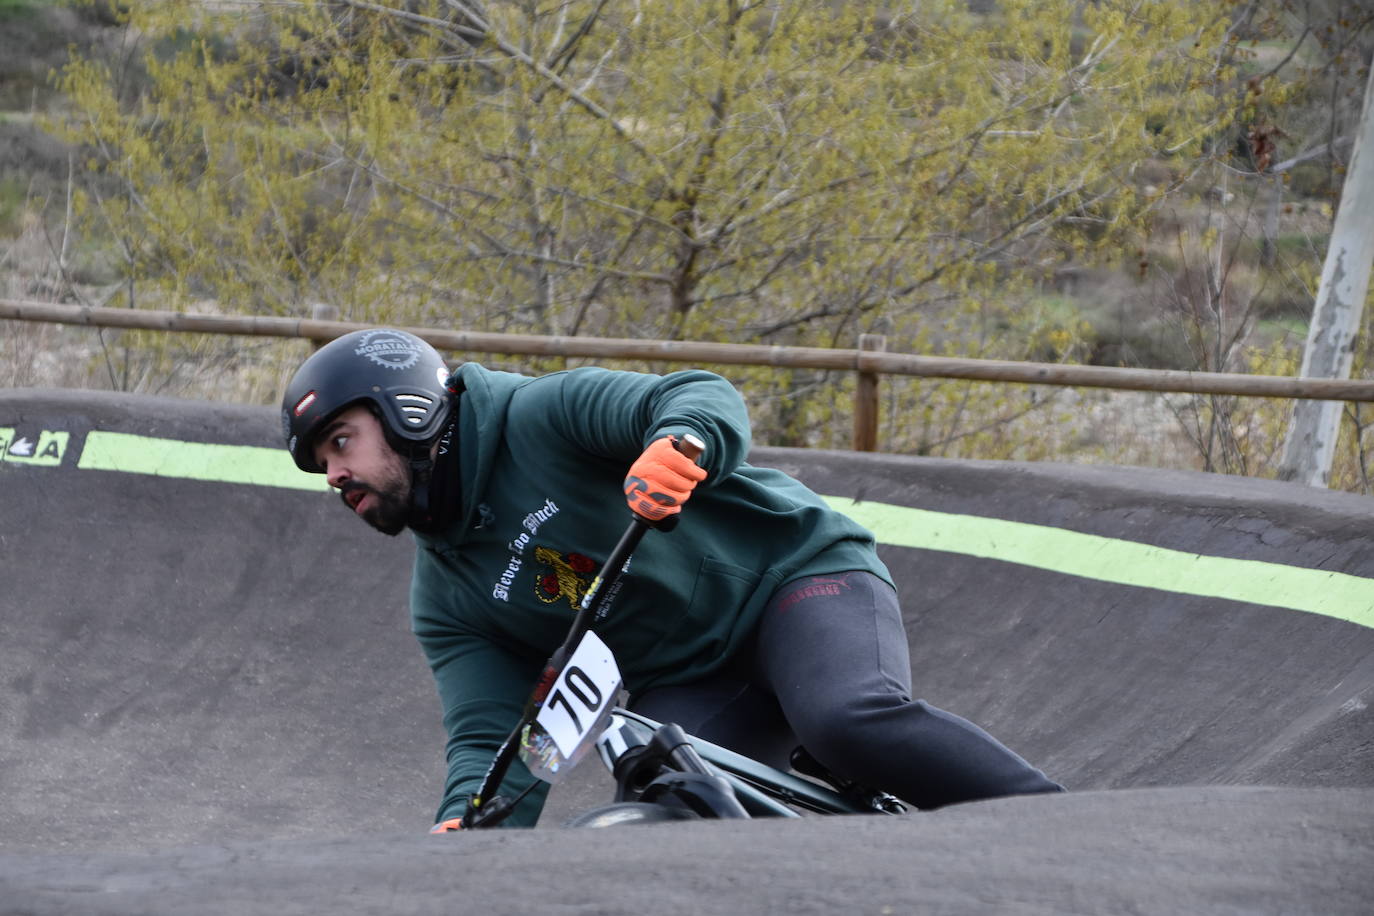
[210,702]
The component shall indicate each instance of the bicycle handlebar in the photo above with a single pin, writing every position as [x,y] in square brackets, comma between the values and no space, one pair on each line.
[486,809]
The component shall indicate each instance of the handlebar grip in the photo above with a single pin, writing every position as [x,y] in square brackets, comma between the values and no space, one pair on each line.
[690,446]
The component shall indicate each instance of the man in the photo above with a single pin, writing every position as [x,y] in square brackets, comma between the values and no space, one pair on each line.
[763,621]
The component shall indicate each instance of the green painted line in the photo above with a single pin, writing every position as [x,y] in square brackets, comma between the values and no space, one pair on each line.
[1104,559]
[270,467]
[1088,556]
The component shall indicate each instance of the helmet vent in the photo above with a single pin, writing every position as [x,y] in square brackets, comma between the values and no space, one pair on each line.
[414,408]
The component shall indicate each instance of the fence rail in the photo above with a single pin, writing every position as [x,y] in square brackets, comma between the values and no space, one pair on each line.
[870,360]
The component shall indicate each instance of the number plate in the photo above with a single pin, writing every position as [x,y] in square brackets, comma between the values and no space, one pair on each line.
[586,688]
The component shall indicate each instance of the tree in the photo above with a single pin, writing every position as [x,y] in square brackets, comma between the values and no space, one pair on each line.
[778,172]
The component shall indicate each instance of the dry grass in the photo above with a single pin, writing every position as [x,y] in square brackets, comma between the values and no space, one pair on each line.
[204,367]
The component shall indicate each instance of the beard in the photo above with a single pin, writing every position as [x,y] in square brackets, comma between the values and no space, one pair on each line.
[391,499]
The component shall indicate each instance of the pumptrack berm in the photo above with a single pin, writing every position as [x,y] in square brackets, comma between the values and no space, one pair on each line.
[210,700]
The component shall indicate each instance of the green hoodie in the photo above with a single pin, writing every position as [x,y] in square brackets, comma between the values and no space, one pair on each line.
[541,463]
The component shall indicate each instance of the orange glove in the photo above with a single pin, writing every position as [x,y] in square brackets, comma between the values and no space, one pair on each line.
[660,480]
[448,826]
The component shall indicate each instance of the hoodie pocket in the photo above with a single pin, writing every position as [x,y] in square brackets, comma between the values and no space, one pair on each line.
[713,614]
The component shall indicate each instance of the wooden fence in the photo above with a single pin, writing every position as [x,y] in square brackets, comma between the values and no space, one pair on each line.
[869,361]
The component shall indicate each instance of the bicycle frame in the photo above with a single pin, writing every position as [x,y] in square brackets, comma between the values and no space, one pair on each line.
[763,790]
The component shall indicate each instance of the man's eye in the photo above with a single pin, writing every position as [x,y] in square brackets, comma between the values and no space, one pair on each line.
[338,442]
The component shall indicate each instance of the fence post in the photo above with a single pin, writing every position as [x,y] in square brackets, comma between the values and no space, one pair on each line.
[321,311]
[866,399]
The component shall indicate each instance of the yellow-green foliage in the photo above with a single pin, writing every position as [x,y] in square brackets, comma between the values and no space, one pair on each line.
[791,173]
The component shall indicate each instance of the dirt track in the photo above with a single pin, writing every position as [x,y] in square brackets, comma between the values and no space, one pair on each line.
[211,700]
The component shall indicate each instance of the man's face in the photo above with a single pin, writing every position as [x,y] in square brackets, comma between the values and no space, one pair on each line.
[372,479]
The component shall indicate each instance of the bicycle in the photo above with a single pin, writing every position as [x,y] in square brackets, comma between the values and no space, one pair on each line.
[661,772]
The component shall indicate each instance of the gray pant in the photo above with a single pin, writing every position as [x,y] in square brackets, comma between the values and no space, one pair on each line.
[828,668]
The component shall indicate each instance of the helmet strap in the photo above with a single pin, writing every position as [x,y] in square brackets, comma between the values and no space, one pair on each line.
[421,473]
[434,502]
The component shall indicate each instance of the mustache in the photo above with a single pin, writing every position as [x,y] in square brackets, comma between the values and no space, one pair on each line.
[352,486]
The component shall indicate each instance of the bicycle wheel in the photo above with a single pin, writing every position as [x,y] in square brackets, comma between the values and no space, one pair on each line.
[623,814]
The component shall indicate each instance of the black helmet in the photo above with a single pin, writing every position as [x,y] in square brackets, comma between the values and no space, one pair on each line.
[398,373]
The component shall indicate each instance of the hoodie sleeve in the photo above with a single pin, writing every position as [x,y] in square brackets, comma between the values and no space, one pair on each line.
[617,414]
[482,689]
